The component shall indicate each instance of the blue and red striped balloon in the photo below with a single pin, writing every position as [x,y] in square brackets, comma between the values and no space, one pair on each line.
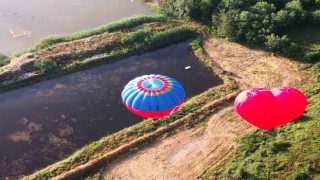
[153,96]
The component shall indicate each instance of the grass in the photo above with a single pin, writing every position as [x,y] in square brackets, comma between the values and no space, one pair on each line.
[46,65]
[287,152]
[155,8]
[4,60]
[316,71]
[121,25]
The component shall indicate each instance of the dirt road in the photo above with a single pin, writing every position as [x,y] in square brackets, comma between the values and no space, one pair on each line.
[187,153]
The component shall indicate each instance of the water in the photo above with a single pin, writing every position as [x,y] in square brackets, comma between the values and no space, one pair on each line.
[43,123]
[49,17]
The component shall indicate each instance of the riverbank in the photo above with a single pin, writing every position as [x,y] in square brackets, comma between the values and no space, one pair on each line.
[60,55]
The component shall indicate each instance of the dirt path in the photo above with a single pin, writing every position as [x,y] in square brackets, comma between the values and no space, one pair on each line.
[187,153]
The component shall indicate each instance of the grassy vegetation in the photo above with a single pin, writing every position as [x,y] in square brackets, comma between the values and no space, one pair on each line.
[316,71]
[287,152]
[4,60]
[46,65]
[141,41]
[155,9]
[121,25]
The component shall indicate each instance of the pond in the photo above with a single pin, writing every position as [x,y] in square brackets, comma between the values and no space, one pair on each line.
[38,18]
[46,122]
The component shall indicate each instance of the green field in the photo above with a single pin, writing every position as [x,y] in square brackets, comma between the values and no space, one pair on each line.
[287,152]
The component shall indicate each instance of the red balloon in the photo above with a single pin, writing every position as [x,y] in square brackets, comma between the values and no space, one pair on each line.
[291,104]
[267,109]
[258,107]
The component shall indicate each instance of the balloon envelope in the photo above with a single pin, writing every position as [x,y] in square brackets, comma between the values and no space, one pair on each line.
[153,96]
[257,106]
[267,109]
[291,103]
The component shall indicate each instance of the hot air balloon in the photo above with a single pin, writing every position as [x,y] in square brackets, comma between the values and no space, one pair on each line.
[268,109]
[153,96]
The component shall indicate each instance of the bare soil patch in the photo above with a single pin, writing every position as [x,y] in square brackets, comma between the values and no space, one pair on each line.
[254,68]
[185,154]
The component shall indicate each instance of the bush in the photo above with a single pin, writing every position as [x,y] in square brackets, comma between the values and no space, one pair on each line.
[134,37]
[4,60]
[312,56]
[316,17]
[196,44]
[180,8]
[142,41]
[224,25]
[283,19]
[239,173]
[46,65]
[294,5]
[283,46]
[277,44]
[190,9]
[250,25]
[296,8]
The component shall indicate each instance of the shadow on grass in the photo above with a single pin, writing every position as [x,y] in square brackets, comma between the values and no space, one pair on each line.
[302,119]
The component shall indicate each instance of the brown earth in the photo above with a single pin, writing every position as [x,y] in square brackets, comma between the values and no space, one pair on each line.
[253,68]
[188,152]
[185,154]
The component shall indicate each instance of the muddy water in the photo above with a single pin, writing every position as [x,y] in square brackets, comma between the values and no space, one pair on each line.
[43,18]
[46,122]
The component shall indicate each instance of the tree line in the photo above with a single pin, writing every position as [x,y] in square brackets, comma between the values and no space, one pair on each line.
[260,22]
